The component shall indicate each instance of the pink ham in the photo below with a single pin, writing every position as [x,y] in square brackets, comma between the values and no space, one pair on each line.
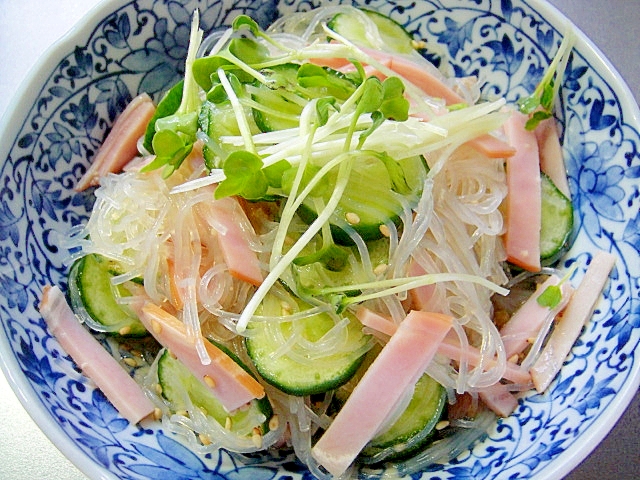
[121,145]
[523,215]
[499,399]
[527,321]
[551,158]
[94,361]
[235,232]
[570,324]
[228,381]
[375,321]
[392,374]
[421,296]
[450,346]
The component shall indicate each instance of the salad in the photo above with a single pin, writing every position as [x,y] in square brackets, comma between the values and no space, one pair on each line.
[317,241]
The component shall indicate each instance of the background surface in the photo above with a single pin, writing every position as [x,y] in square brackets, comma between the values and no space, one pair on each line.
[29,27]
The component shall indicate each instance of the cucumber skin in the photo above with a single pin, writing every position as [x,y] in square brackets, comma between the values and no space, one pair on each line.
[171,370]
[297,379]
[401,441]
[556,210]
[415,170]
[92,273]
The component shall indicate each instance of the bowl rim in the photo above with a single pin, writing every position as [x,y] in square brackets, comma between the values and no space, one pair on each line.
[29,90]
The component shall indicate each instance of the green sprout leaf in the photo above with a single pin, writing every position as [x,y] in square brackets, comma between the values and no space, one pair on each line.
[550,297]
[539,105]
[394,105]
[244,177]
[245,21]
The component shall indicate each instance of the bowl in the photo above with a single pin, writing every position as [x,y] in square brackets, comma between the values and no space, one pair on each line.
[123,48]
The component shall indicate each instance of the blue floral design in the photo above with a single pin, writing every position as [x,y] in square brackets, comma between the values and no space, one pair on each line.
[140,46]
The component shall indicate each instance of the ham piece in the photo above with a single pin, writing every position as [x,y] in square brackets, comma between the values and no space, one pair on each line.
[527,321]
[235,234]
[570,324]
[392,374]
[524,204]
[228,381]
[90,356]
[499,399]
[121,145]
[450,346]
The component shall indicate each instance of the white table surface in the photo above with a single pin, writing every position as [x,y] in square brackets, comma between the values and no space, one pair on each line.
[28,27]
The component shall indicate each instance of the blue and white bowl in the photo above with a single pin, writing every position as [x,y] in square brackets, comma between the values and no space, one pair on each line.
[125,47]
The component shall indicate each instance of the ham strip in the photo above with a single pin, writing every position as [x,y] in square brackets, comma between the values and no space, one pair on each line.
[551,158]
[527,321]
[450,346]
[235,234]
[392,374]
[499,399]
[91,357]
[121,145]
[524,204]
[570,323]
[227,380]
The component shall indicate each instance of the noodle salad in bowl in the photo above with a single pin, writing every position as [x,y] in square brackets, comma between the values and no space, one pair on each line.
[327,241]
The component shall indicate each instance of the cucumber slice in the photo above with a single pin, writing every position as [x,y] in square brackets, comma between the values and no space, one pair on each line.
[94,297]
[217,120]
[296,372]
[352,26]
[415,426]
[370,200]
[181,389]
[556,225]
[291,87]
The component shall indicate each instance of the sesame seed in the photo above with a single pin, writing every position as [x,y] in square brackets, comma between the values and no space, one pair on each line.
[125,330]
[211,383]
[514,358]
[384,230]
[442,425]
[157,413]
[156,327]
[182,413]
[158,388]
[130,361]
[274,422]
[380,269]
[352,218]
[531,340]
[256,437]
[227,423]
[205,439]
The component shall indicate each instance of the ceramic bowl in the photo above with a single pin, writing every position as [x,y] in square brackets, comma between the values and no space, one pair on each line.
[126,47]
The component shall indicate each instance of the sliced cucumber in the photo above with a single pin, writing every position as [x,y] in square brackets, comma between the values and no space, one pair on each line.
[556,225]
[217,120]
[371,199]
[415,426]
[352,26]
[290,87]
[92,294]
[295,371]
[181,389]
